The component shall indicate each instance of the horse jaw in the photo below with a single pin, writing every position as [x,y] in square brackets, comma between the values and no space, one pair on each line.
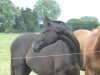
[36,48]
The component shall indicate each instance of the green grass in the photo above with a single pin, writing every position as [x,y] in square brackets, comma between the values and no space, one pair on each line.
[5,42]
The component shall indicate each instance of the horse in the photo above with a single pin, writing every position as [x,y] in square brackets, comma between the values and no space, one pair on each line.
[63,33]
[90,50]
[50,61]
[82,36]
[92,53]
[19,49]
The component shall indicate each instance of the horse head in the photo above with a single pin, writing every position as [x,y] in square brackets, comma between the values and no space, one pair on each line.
[52,30]
[56,30]
[45,38]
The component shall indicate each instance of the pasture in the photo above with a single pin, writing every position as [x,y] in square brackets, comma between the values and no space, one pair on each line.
[5,42]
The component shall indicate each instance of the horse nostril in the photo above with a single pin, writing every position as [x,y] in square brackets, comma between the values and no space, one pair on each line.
[36,51]
[34,48]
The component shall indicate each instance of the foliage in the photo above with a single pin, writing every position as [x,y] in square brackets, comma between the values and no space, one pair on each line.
[26,22]
[13,19]
[7,15]
[75,23]
[46,7]
[19,25]
[89,22]
[86,22]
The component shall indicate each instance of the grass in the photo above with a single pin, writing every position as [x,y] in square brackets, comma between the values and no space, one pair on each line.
[5,42]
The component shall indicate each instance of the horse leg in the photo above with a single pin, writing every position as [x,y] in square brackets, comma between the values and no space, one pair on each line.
[97,73]
[74,70]
[21,67]
[22,70]
[60,73]
[12,70]
[88,71]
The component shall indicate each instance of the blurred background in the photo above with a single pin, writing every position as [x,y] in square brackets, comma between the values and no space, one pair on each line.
[19,16]
[28,15]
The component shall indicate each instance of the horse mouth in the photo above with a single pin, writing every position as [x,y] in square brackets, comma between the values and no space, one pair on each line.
[36,50]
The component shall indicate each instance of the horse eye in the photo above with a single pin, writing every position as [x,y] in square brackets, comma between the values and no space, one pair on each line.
[59,22]
[43,32]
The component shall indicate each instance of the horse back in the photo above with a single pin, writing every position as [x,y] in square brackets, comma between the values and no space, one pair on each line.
[20,45]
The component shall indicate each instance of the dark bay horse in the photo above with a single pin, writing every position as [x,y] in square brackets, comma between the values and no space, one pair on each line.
[51,60]
[63,33]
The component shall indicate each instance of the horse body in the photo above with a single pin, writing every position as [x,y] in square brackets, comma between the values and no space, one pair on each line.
[90,46]
[50,61]
[53,28]
[56,45]
[92,49]
[19,48]
[82,36]
[47,62]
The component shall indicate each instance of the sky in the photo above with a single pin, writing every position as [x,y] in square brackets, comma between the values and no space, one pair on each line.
[69,8]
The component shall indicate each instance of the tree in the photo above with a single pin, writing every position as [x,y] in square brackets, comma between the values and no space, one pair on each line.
[29,19]
[19,25]
[75,23]
[7,15]
[90,22]
[86,22]
[46,7]
[26,22]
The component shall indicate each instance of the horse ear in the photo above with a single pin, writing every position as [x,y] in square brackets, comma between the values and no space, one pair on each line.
[47,21]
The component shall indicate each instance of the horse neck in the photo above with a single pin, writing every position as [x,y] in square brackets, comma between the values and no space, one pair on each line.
[73,46]
[97,42]
[70,35]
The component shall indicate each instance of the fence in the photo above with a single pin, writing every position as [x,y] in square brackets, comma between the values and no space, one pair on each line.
[5,62]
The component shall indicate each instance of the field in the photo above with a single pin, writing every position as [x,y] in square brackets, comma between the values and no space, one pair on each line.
[5,42]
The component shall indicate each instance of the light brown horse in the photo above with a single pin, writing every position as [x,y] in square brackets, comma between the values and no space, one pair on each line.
[82,35]
[91,52]
[92,55]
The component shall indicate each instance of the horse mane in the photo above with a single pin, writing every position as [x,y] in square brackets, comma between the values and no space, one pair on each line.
[62,24]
